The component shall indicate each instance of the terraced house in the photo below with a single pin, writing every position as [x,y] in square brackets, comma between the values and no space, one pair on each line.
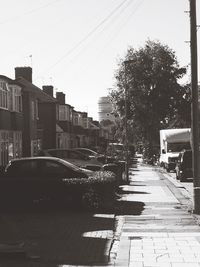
[32,119]
[39,109]
[11,119]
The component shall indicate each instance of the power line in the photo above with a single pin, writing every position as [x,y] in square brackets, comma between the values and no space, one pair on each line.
[117,16]
[137,4]
[89,34]
[119,29]
[117,32]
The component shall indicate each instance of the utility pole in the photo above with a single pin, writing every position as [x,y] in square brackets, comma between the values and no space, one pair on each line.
[195,110]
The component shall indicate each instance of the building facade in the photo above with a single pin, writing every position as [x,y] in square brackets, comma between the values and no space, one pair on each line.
[11,120]
[32,119]
[38,131]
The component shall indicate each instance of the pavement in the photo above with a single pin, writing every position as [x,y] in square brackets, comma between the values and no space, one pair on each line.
[151,225]
[163,232]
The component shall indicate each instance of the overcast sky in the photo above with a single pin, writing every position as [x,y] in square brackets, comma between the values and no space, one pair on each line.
[74,45]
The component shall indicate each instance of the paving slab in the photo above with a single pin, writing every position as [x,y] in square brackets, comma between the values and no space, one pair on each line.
[164,233]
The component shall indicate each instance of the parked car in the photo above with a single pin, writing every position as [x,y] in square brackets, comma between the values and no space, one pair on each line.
[95,155]
[36,178]
[184,165]
[91,154]
[73,156]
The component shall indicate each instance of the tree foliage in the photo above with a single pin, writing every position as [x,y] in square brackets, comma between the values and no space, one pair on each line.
[155,99]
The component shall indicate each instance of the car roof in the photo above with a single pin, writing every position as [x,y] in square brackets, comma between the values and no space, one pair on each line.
[62,149]
[43,158]
[33,158]
[39,158]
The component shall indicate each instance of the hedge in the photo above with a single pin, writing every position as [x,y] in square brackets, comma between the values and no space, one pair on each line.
[93,193]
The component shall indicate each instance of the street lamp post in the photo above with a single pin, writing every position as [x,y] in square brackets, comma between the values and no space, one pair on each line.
[126,63]
[126,123]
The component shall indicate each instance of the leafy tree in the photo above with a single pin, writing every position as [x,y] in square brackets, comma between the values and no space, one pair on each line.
[155,99]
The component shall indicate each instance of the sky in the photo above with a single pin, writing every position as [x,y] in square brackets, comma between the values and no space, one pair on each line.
[75,45]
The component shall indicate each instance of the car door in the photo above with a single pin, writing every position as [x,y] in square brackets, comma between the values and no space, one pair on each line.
[20,180]
[54,174]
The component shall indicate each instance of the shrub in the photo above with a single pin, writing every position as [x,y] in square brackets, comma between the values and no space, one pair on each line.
[94,193]
[100,192]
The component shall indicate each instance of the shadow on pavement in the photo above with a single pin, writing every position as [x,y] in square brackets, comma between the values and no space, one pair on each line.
[138,184]
[134,192]
[129,207]
[58,237]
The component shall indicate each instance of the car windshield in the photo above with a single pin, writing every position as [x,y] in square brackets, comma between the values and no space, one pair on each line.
[68,164]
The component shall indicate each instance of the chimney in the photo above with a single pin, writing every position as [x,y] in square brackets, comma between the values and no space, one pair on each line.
[60,96]
[48,89]
[25,72]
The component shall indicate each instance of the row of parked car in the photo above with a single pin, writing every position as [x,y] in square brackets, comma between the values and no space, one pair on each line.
[48,174]
[182,165]
[81,157]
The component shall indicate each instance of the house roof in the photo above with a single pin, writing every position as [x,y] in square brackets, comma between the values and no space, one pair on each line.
[10,81]
[29,87]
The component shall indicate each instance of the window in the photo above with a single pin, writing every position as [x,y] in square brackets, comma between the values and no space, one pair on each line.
[63,113]
[76,155]
[4,143]
[4,93]
[26,168]
[34,110]
[15,98]
[17,138]
[10,146]
[75,119]
[53,169]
